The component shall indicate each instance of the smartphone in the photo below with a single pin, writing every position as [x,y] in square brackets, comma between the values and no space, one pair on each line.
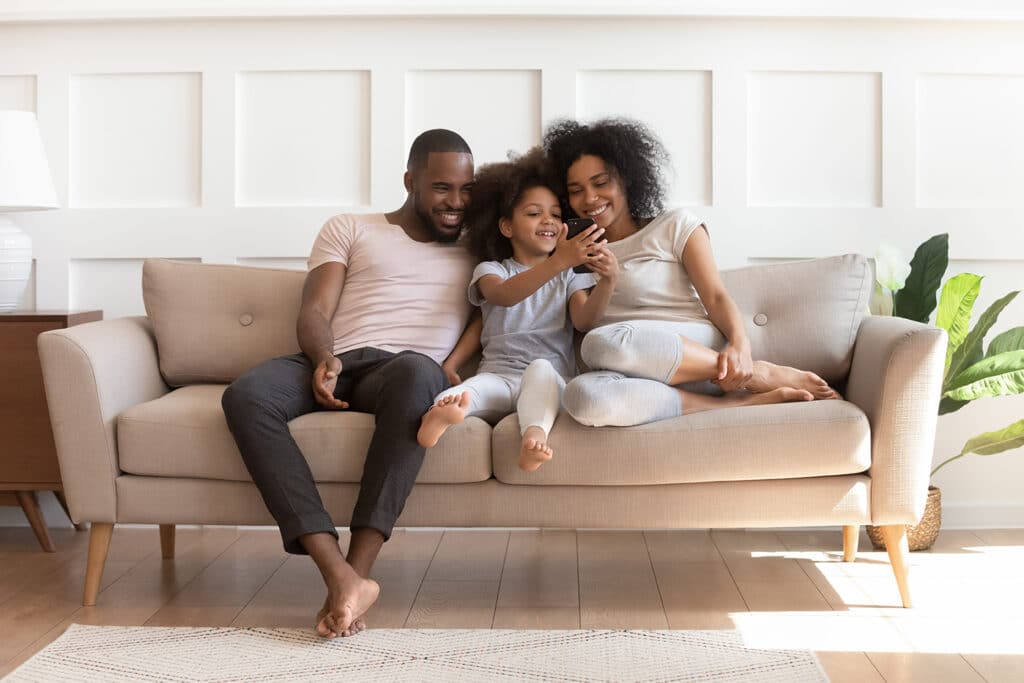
[576,226]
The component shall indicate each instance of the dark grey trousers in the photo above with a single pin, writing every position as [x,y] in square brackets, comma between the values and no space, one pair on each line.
[396,388]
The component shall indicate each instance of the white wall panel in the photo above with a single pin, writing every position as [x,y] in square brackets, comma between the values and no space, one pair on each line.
[814,139]
[135,140]
[494,110]
[303,138]
[111,285]
[970,140]
[676,104]
[18,92]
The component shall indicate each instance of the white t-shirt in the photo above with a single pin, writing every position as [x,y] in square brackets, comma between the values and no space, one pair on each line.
[399,294]
[653,284]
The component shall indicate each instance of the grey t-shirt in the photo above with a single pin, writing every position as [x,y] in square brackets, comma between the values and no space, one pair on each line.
[536,327]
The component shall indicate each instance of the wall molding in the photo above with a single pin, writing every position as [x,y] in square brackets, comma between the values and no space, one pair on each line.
[115,10]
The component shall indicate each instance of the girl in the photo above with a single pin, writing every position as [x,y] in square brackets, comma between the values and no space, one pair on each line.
[672,340]
[525,286]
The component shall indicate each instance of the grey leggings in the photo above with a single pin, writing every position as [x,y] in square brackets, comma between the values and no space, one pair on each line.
[634,361]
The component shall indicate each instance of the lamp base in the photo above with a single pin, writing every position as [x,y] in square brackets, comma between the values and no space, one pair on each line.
[15,266]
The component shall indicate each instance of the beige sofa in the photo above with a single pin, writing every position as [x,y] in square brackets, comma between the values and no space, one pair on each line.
[135,406]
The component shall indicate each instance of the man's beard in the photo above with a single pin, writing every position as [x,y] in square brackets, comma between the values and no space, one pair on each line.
[427,219]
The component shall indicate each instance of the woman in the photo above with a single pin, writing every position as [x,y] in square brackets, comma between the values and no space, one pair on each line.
[672,340]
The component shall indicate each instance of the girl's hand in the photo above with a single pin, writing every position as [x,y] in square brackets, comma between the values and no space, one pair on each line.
[576,251]
[605,264]
[451,374]
[735,367]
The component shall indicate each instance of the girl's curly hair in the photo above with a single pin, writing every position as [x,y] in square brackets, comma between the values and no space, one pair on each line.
[634,154]
[496,191]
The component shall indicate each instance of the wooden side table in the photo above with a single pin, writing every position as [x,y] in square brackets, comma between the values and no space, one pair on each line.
[28,457]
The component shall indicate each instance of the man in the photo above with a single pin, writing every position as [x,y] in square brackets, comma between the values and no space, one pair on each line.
[383,304]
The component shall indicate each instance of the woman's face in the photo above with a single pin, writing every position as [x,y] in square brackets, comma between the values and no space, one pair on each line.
[595,192]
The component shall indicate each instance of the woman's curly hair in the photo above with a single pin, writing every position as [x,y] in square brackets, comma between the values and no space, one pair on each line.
[496,191]
[634,154]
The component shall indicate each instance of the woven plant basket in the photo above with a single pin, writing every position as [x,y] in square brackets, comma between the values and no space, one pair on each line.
[922,535]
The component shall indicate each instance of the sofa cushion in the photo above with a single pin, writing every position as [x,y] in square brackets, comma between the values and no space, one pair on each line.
[212,322]
[784,441]
[184,434]
[804,313]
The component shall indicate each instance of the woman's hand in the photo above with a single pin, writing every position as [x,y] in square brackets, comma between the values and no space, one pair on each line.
[325,379]
[577,251]
[605,264]
[735,367]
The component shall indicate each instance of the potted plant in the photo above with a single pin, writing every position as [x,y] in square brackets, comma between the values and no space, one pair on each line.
[971,370]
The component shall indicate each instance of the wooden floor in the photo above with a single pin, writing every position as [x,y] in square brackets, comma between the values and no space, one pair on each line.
[779,589]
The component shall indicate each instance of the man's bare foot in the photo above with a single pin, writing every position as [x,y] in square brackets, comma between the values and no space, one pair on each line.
[450,410]
[357,626]
[769,376]
[348,598]
[535,450]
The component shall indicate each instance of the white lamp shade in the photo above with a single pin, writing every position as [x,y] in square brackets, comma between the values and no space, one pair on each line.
[25,183]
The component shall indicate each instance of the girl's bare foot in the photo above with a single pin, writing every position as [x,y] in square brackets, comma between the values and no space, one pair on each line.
[769,376]
[450,410]
[348,598]
[535,450]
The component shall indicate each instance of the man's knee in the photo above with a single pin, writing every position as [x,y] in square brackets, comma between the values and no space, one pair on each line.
[416,372]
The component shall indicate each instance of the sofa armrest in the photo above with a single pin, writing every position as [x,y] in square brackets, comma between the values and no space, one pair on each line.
[896,379]
[92,373]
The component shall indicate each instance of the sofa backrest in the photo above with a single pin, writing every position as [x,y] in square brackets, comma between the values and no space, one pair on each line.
[804,313]
[214,322]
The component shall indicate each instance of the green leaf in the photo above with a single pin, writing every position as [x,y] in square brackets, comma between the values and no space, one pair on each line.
[999,375]
[969,352]
[1011,340]
[991,443]
[955,307]
[916,300]
[948,405]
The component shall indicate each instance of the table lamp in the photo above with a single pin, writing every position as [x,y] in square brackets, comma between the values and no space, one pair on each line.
[25,185]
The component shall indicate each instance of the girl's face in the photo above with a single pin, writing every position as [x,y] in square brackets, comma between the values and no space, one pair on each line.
[595,192]
[535,224]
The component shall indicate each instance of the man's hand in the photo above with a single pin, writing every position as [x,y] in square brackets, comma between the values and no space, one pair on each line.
[325,379]
[451,374]
[735,367]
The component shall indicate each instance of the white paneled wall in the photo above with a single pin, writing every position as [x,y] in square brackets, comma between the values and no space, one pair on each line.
[231,140]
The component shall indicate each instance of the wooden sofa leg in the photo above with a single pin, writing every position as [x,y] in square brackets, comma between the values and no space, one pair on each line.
[851,536]
[167,541]
[895,537]
[99,544]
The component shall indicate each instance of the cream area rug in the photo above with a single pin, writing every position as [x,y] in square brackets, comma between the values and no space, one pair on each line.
[111,653]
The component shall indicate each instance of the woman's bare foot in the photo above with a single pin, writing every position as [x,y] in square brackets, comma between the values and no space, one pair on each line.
[535,450]
[348,598]
[769,376]
[450,410]
[780,395]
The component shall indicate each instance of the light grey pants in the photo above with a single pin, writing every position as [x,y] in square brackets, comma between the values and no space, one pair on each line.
[634,361]
[536,395]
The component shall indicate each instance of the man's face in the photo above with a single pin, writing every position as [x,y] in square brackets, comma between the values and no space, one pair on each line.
[440,191]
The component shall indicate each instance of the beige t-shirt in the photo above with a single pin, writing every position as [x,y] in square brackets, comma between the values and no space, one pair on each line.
[653,284]
[399,294]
